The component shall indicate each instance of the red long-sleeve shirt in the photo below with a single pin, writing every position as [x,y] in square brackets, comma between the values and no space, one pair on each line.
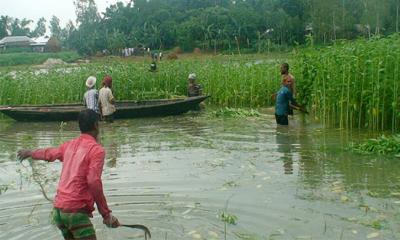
[80,183]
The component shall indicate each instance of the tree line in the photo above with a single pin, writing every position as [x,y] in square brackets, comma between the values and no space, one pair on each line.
[213,25]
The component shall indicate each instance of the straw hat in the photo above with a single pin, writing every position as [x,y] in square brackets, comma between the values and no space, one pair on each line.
[90,82]
[192,76]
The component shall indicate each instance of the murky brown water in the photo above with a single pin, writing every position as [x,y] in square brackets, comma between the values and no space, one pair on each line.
[177,174]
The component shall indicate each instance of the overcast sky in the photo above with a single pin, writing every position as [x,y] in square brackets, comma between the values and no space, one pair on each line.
[35,9]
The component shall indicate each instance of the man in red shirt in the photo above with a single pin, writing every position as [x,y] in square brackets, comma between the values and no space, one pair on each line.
[80,184]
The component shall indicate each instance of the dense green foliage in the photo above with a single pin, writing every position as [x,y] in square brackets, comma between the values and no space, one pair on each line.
[231,81]
[349,84]
[28,58]
[352,84]
[380,145]
[214,25]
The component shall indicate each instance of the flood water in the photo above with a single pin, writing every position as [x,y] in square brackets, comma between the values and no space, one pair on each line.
[176,175]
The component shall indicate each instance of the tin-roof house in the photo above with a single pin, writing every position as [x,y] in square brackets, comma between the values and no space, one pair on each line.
[15,41]
[36,44]
[39,43]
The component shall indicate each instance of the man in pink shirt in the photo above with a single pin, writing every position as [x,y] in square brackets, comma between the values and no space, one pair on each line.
[80,184]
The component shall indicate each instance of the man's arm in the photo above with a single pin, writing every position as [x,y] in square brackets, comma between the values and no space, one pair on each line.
[100,107]
[47,154]
[293,86]
[299,108]
[293,104]
[289,96]
[111,97]
[95,186]
[84,100]
[200,89]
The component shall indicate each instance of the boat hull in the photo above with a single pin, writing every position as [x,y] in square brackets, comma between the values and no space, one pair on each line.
[125,109]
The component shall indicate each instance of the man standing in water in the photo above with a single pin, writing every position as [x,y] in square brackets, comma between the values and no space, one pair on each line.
[106,100]
[91,96]
[287,76]
[80,184]
[292,87]
[284,100]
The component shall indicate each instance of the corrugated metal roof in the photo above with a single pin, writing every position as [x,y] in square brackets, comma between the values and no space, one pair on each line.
[42,39]
[16,39]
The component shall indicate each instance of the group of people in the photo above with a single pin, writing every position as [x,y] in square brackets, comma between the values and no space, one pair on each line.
[126,52]
[102,102]
[80,185]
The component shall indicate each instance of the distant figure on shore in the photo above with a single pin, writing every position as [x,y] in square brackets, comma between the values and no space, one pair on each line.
[91,96]
[106,100]
[153,66]
[156,56]
[193,88]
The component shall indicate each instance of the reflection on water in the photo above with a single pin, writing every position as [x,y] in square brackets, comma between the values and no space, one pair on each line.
[285,143]
[177,174]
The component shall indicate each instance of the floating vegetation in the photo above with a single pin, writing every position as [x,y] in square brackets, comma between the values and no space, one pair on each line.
[380,145]
[62,126]
[235,112]
[26,138]
[3,189]
[231,184]
[227,218]
[376,224]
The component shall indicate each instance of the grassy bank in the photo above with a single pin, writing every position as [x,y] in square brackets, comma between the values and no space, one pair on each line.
[30,58]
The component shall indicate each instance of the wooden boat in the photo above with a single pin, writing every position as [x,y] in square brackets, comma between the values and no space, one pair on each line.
[125,109]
